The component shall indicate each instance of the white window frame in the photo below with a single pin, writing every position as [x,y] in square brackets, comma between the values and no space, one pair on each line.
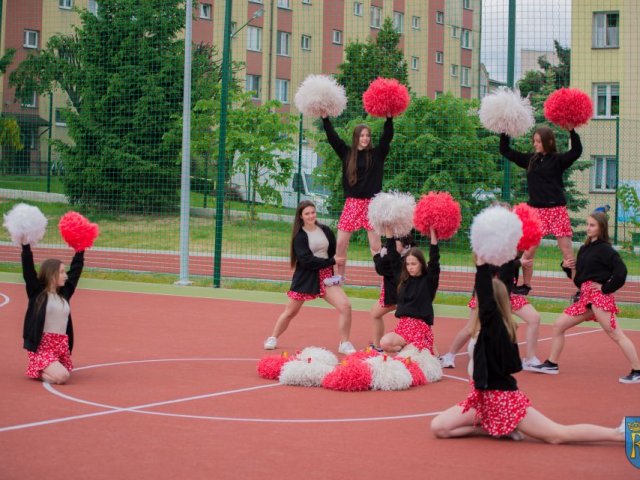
[93,7]
[415,63]
[610,90]
[282,90]
[465,39]
[254,38]
[336,37]
[305,42]
[599,173]
[440,17]
[465,77]
[30,103]
[59,121]
[398,22]
[256,1]
[604,36]
[415,22]
[253,83]
[283,44]
[358,9]
[466,4]
[205,11]
[30,38]
[375,20]
[306,2]
[453,70]
[440,57]
[284,4]
[65,4]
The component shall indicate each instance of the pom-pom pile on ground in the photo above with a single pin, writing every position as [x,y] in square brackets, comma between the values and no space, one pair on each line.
[531,226]
[78,232]
[320,96]
[392,211]
[440,210]
[569,108]
[26,224]
[385,97]
[495,234]
[505,111]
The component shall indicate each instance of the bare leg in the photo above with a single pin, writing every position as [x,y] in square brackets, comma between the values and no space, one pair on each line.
[618,336]
[453,423]
[536,425]
[342,244]
[532,318]
[55,373]
[375,244]
[336,297]
[565,246]
[462,336]
[290,310]
[392,342]
[563,323]
[377,321]
[527,270]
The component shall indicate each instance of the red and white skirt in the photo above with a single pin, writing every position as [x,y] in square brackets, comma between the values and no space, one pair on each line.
[302,297]
[588,297]
[415,331]
[517,302]
[354,215]
[54,347]
[555,221]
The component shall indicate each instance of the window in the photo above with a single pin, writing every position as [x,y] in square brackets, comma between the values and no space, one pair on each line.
[466,4]
[336,37]
[465,74]
[30,39]
[398,22]
[605,30]
[255,1]
[282,90]
[454,70]
[306,2]
[60,121]
[30,100]
[465,39]
[440,17]
[438,93]
[205,11]
[305,42]
[415,63]
[607,100]
[92,6]
[234,27]
[66,4]
[284,4]
[376,17]
[253,84]
[455,32]
[415,23]
[283,46]
[603,173]
[439,57]
[254,39]
[358,9]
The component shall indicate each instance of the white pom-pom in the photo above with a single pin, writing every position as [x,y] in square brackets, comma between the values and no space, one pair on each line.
[320,96]
[386,374]
[392,211]
[304,373]
[505,111]
[495,233]
[319,354]
[26,224]
[429,364]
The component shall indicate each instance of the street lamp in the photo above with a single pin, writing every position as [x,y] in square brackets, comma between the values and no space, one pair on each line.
[256,14]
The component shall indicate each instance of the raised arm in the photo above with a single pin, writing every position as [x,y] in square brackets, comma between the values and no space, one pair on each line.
[73,275]
[487,306]
[520,159]
[433,267]
[29,271]
[387,136]
[568,158]
[338,145]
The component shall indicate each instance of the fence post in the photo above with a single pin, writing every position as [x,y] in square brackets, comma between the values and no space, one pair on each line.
[615,221]
[511,49]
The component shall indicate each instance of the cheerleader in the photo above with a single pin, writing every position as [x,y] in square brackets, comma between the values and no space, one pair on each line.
[598,272]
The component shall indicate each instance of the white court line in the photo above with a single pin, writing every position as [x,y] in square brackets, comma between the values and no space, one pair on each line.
[5,301]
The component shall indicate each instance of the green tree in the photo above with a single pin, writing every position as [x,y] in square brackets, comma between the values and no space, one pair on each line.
[534,80]
[9,129]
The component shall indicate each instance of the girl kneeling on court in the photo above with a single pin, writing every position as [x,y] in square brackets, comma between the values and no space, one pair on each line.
[416,290]
[312,253]
[495,406]
[48,331]
[598,272]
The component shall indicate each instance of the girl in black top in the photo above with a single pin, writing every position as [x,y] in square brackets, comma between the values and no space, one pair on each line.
[362,170]
[598,272]
[48,330]
[416,291]
[495,405]
[545,168]
[313,248]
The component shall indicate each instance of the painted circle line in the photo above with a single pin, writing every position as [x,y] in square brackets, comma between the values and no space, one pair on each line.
[142,408]
[5,299]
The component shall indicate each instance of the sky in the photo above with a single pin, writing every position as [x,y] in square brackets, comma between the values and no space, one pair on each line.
[538,23]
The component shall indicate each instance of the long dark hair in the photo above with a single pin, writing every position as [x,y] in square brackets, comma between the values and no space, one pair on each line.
[603,224]
[48,276]
[548,140]
[352,164]
[297,225]
[404,276]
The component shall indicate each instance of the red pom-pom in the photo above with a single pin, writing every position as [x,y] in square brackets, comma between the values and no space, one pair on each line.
[417,375]
[353,376]
[531,226]
[386,97]
[440,210]
[269,367]
[568,108]
[77,231]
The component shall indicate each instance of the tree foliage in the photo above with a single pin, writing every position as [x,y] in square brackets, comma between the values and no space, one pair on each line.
[9,129]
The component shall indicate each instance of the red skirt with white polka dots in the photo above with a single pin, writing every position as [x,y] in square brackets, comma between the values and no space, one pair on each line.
[415,331]
[517,302]
[497,411]
[354,215]
[54,347]
[302,297]
[588,297]
[555,221]
[381,299]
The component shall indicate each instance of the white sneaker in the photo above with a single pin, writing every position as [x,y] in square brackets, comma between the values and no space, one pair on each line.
[270,343]
[334,280]
[448,360]
[621,427]
[346,348]
[527,363]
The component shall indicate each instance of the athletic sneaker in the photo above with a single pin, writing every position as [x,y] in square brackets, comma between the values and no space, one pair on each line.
[373,347]
[346,348]
[270,343]
[448,360]
[334,280]
[527,363]
[633,377]
[521,289]
[545,367]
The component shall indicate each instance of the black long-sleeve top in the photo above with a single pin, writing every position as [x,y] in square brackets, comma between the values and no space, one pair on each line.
[305,277]
[416,295]
[37,310]
[599,262]
[369,179]
[495,356]
[389,267]
[544,178]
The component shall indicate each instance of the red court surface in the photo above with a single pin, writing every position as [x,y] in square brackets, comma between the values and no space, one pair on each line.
[165,387]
